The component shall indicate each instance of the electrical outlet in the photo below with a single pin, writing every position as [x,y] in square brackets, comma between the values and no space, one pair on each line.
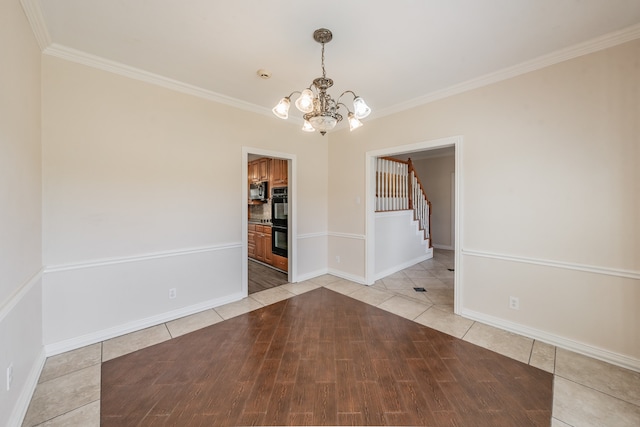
[9,376]
[172,293]
[514,303]
[338,259]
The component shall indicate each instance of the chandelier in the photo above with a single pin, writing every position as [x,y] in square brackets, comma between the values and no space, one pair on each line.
[319,108]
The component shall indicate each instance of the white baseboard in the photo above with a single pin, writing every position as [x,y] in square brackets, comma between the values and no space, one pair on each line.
[347,276]
[105,334]
[312,275]
[402,266]
[446,247]
[558,341]
[22,405]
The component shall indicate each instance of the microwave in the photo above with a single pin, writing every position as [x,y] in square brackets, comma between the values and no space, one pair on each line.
[258,191]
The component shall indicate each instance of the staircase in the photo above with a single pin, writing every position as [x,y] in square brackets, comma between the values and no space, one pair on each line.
[399,188]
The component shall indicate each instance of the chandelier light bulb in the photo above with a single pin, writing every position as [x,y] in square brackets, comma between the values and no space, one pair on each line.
[307,127]
[354,123]
[361,109]
[282,109]
[305,101]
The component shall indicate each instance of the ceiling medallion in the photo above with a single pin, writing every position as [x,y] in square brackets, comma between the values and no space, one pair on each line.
[319,108]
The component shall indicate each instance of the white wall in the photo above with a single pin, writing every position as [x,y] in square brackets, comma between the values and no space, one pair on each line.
[142,193]
[399,242]
[20,211]
[550,179]
[435,175]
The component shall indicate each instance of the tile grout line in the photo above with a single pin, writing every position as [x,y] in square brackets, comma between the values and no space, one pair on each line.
[465,334]
[168,330]
[531,353]
[564,422]
[596,390]
[65,413]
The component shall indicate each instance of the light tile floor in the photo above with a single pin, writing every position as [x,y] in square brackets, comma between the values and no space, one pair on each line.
[587,392]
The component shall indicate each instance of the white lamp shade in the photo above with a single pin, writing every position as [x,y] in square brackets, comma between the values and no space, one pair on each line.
[307,127]
[354,123]
[282,109]
[323,123]
[305,101]
[360,108]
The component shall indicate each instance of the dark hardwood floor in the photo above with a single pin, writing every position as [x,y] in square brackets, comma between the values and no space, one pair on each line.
[261,277]
[321,358]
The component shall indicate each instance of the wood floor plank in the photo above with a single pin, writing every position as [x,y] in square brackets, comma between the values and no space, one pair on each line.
[261,277]
[321,358]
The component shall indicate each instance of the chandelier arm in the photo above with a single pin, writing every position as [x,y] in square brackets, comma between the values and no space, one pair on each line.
[343,104]
[291,94]
[345,92]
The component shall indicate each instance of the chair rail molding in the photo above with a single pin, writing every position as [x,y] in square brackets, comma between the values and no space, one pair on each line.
[629,274]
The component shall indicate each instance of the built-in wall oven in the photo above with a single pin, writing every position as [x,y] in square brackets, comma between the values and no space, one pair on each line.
[279,241]
[279,220]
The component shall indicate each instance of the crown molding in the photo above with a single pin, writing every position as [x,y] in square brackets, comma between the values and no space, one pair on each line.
[35,16]
[36,19]
[599,43]
[33,10]
[100,63]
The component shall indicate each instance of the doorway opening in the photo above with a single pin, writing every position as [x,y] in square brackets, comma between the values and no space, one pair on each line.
[268,236]
[440,160]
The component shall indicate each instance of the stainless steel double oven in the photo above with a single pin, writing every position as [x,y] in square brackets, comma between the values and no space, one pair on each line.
[280,221]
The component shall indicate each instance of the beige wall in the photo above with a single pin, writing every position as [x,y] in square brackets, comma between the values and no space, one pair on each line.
[435,175]
[20,177]
[20,211]
[142,169]
[143,192]
[550,175]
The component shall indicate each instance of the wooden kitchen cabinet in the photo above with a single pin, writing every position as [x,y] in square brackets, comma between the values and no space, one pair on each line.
[278,170]
[259,247]
[268,255]
[252,172]
[262,239]
[258,170]
[280,262]
[263,169]
[251,241]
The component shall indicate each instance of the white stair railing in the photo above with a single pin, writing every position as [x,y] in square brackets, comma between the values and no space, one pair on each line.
[421,206]
[392,185]
[398,188]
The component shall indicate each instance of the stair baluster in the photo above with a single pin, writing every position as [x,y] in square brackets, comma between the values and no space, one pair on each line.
[398,187]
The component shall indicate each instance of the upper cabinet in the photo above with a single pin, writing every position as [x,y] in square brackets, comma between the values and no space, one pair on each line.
[278,172]
[258,170]
[272,170]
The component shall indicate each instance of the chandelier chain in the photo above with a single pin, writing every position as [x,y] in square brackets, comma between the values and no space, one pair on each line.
[324,74]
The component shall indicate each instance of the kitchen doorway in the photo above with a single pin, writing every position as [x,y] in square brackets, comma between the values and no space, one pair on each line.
[268,225]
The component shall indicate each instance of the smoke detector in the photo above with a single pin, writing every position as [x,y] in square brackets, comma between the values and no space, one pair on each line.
[264,74]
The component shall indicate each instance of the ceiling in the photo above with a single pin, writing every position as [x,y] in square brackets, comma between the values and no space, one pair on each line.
[394,54]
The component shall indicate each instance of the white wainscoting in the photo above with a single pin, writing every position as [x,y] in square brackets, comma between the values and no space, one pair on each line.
[21,342]
[117,296]
[346,256]
[312,255]
[399,243]
[590,310]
